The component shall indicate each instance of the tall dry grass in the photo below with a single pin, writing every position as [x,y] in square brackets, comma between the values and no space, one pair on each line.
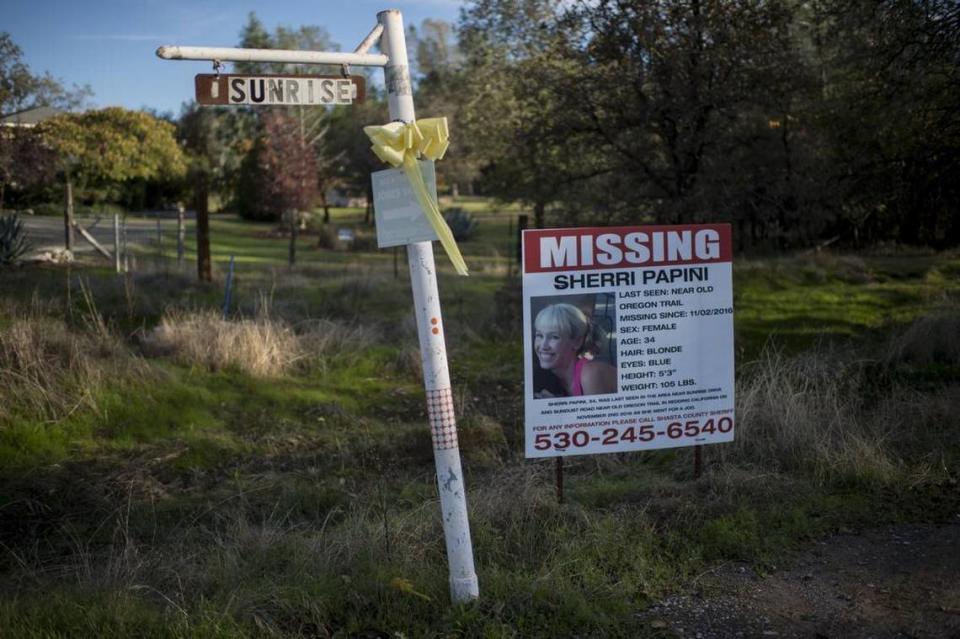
[806,413]
[261,346]
[842,415]
[326,338]
[48,370]
[932,339]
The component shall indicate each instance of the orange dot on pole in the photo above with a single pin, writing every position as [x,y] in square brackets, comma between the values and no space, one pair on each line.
[436,331]
[434,320]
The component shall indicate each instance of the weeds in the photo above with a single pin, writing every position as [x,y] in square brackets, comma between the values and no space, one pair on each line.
[271,475]
[323,339]
[259,346]
[807,414]
[932,339]
[48,371]
[837,416]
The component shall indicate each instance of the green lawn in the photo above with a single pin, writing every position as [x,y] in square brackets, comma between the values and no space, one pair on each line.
[145,493]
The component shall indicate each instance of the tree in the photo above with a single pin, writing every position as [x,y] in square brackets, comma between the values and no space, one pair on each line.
[308,126]
[254,35]
[891,111]
[25,161]
[21,89]
[281,170]
[629,111]
[669,89]
[111,145]
[511,113]
[216,141]
[441,91]
[346,135]
[800,122]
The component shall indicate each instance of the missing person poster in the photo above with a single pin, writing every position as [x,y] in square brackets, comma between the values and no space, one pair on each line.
[628,338]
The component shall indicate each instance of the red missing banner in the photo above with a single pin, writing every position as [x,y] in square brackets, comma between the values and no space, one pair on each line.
[621,247]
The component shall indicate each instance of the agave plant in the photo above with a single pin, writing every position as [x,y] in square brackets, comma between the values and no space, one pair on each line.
[13,239]
[461,223]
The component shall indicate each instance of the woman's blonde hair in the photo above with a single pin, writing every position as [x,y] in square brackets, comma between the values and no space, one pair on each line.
[570,321]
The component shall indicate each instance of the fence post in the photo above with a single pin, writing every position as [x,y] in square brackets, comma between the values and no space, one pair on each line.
[228,290]
[123,242]
[180,235]
[116,242]
[433,352]
[68,215]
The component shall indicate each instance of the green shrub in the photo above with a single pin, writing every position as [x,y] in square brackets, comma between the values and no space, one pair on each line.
[461,223]
[13,239]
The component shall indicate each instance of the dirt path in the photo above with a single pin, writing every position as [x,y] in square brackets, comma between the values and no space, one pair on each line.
[900,581]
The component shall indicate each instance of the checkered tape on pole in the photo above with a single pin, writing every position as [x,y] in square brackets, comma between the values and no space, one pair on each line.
[443,422]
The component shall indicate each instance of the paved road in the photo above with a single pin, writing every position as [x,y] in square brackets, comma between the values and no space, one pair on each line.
[46,233]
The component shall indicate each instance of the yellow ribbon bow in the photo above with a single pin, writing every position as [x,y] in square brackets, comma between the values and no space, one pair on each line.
[398,144]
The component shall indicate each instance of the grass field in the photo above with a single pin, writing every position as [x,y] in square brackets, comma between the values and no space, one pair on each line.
[165,472]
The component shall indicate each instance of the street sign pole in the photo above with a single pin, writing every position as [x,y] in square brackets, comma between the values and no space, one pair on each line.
[433,351]
[423,277]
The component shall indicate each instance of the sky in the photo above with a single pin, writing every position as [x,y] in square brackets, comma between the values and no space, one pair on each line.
[111,44]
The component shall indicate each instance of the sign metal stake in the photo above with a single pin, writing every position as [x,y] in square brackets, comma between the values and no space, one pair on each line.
[180,236]
[559,476]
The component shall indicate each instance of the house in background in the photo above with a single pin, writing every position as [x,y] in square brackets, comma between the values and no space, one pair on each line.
[29,117]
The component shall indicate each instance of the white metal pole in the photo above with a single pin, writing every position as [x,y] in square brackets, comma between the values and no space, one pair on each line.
[433,351]
[228,54]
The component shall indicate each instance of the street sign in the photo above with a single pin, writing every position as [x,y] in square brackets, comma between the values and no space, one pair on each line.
[284,90]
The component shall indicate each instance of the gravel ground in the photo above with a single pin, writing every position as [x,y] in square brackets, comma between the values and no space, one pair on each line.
[901,581]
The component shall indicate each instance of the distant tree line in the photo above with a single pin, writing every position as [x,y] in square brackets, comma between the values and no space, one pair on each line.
[801,122]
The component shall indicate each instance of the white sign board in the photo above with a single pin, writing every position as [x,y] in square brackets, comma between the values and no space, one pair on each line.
[628,338]
[399,217]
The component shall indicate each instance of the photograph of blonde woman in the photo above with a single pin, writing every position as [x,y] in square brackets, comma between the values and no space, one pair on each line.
[568,353]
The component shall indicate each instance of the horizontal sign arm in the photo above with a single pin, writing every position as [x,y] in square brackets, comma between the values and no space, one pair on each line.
[227,54]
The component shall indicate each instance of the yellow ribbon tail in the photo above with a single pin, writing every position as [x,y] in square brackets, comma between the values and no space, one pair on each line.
[445,235]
